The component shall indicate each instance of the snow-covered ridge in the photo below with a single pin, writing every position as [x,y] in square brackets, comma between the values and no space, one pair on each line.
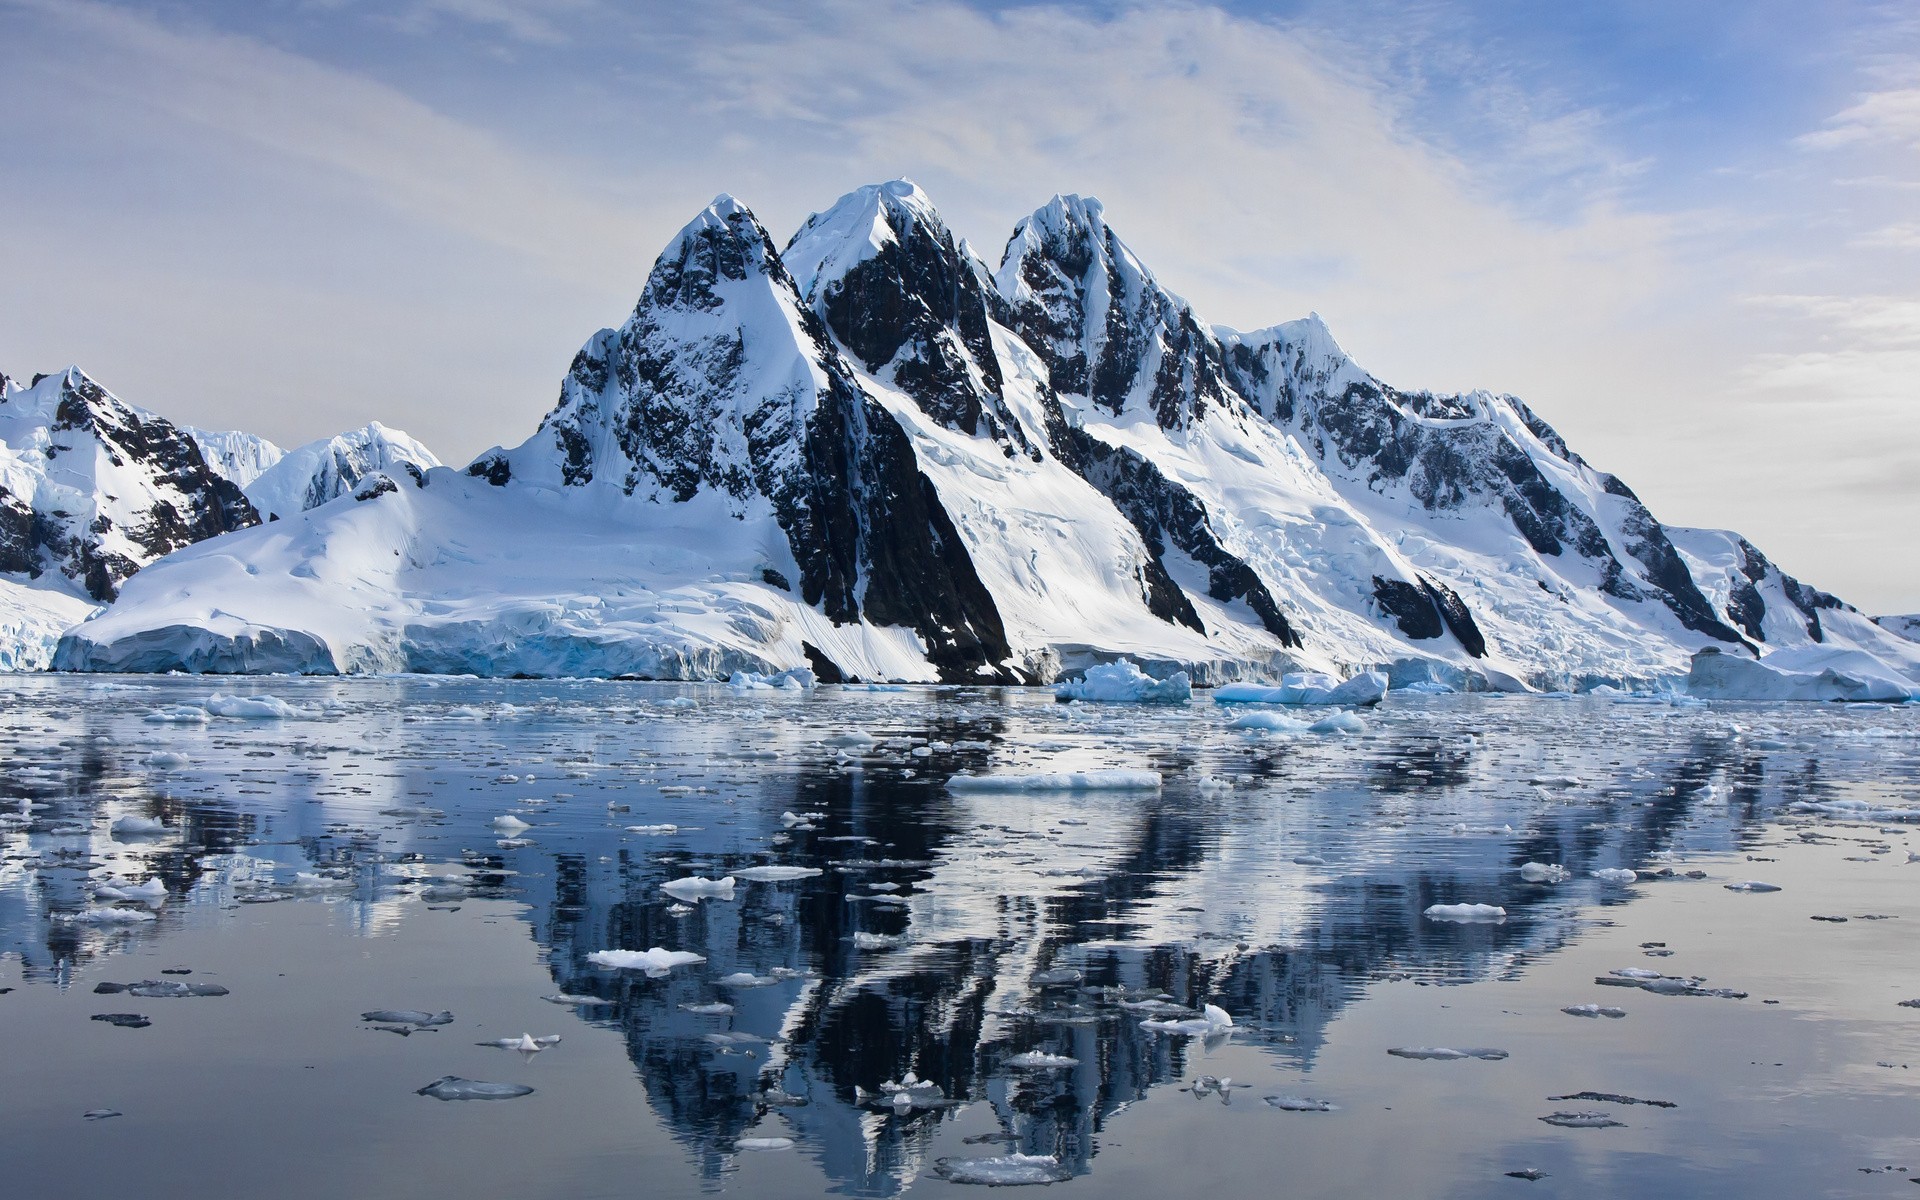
[320,471]
[874,456]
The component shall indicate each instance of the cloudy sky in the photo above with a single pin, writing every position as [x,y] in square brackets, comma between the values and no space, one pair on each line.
[1688,234]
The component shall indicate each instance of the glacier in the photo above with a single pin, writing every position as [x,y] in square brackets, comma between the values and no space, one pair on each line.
[874,455]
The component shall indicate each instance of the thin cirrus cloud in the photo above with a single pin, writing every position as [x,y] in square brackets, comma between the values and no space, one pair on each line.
[416,211]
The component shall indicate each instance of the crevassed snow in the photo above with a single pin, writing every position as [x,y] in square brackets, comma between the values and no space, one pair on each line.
[317,472]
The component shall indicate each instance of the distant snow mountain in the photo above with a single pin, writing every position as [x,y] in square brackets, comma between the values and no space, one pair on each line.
[878,456]
[307,477]
[241,457]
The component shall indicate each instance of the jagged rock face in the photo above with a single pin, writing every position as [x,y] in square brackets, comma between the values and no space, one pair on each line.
[900,296]
[320,471]
[95,489]
[1459,452]
[724,382]
[1107,330]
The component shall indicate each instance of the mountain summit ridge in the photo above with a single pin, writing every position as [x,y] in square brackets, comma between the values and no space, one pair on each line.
[874,455]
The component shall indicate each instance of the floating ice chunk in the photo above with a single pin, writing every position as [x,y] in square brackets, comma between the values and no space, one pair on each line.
[1753,885]
[776,874]
[1583,1120]
[1615,1098]
[1534,872]
[1035,1060]
[1309,860]
[165,989]
[794,679]
[509,824]
[746,979]
[408,1016]
[1466,913]
[123,1020]
[1342,722]
[680,702]
[101,1114]
[526,1043]
[1270,721]
[179,714]
[167,760]
[1636,973]
[133,826]
[572,999]
[153,891]
[653,830]
[1615,875]
[1063,781]
[249,708]
[1008,1170]
[1124,683]
[107,916]
[1056,977]
[1593,1010]
[452,1087]
[1446,1053]
[856,740]
[715,1009]
[1307,687]
[763,1143]
[876,941]
[655,962]
[695,888]
[308,881]
[1212,1020]
[1300,1104]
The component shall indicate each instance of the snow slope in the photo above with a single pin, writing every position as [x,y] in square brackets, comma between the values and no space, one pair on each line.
[241,457]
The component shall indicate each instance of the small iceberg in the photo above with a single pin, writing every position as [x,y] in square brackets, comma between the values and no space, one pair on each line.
[655,962]
[794,679]
[452,1087]
[526,1043]
[1446,1053]
[419,1018]
[1213,1020]
[1124,683]
[1753,885]
[1534,872]
[696,888]
[249,708]
[1466,913]
[763,1143]
[1615,875]
[1008,1170]
[1059,781]
[1308,687]
[1300,1104]
[133,826]
[1035,1060]
[776,874]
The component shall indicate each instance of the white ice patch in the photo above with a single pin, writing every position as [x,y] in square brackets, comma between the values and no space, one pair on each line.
[249,708]
[696,888]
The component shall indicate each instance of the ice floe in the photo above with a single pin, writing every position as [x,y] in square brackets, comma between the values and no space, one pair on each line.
[776,874]
[696,888]
[249,708]
[1465,913]
[452,1087]
[1446,1053]
[655,962]
[1007,1170]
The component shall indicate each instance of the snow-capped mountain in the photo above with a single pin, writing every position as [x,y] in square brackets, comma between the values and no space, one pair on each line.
[241,457]
[91,490]
[317,472]
[875,455]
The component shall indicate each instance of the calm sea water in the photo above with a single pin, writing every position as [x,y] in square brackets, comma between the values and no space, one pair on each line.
[347,858]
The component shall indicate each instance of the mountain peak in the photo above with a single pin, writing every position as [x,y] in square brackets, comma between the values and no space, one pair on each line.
[854,229]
